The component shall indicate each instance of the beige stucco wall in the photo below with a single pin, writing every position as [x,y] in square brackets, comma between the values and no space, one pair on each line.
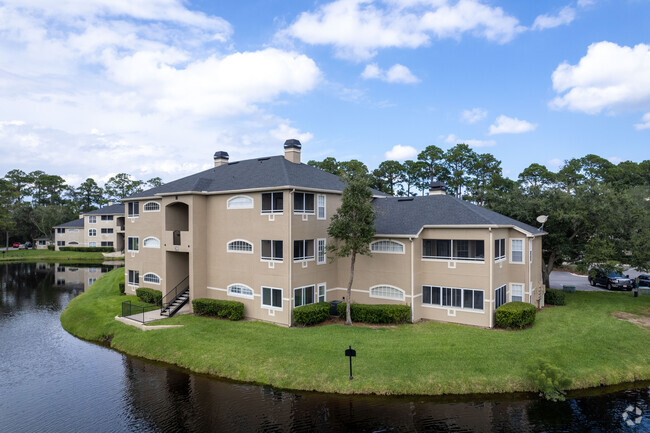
[74,234]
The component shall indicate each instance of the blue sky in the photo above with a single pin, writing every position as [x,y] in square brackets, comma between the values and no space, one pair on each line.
[92,88]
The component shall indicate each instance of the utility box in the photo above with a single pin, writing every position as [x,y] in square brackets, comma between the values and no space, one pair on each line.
[569,289]
[333,310]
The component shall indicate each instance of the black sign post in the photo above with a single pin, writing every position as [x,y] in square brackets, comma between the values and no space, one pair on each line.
[350,352]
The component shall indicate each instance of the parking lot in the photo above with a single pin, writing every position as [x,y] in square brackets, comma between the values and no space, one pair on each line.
[557,279]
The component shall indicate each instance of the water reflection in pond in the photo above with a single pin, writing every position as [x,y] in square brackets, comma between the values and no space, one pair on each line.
[52,381]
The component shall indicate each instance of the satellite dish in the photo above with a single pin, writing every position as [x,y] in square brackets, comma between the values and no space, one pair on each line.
[542,219]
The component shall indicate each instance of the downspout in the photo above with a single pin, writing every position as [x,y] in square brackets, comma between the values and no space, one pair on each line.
[530,276]
[289,261]
[491,285]
[412,283]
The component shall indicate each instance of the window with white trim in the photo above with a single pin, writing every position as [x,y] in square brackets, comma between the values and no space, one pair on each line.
[240,202]
[106,231]
[470,299]
[73,230]
[91,281]
[240,246]
[387,246]
[92,244]
[92,219]
[106,244]
[272,202]
[516,292]
[387,292]
[499,296]
[321,292]
[133,244]
[516,250]
[134,278]
[450,249]
[303,203]
[151,242]
[151,206]
[499,249]
[322,251]
[321,207]
[240,291]
[73,243]
[303,296]
[92,232]
[151,278]
[133,209]
[107,217]
[303,249]
[272,297]
[530,250]
[60,231]
[272,250]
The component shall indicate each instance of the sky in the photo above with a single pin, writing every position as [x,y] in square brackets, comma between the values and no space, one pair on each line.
[92,88]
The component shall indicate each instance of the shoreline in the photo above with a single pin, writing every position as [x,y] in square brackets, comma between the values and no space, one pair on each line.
[393,361]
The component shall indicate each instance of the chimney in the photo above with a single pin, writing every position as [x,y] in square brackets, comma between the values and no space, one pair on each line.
[437,188]
[111,203]
[220,158]
[292,150]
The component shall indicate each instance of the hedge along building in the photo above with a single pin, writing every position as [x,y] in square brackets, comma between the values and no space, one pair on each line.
[102,227]
[255,231]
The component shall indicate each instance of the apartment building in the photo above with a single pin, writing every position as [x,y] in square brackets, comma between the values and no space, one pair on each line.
[255,231]
[102,227]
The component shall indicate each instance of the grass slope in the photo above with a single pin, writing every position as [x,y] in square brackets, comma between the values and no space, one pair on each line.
[582,338]
[49,256]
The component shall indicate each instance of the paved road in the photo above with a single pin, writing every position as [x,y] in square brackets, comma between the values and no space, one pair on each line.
[558,279]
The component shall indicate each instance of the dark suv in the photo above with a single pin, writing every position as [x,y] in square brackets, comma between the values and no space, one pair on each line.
[610,279]
[644,280]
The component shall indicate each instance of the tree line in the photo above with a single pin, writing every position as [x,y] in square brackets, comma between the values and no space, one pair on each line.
[32,203]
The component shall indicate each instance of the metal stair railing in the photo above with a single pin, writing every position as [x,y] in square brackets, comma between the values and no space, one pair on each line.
[173,294]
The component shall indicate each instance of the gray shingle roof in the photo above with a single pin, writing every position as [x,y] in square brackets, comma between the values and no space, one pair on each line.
[78,223]
[266,172]
[406,216]
[115,209]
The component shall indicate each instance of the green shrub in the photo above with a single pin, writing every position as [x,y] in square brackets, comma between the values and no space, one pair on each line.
[554,297]
[515,315]
[150,296]
[121,286]
[378,313]
[550,381]
[232,310]
[50,247]
[88,249]
[311,314]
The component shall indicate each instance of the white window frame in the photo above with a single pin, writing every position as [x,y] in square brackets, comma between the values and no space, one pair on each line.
[107,242]
[92,233]
[92,244]
[321,254]
[60,243]
[389,242]
[231,250]
[137,278]
[403,293]
[105,231]
[106,218]
[303,211]
[519,250]
[504,253]
[319,207]
[324,295]
[144,207]
[131,212]
[240,294]
[138,244]
[302,296]
[271,258]
[272,211]
[461,290]
[512,291]
[248,205]
[305,257]
[73,230]
[150,238]
[91,281]
[272,307]
[144,278]
[92,219]
[451,257]
[530,250]
[505,296]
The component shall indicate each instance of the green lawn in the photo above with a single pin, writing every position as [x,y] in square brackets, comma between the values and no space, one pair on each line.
[582,338]
[49,256]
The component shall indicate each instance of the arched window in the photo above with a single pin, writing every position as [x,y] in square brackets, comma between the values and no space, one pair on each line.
[386,246]
[240,246]
[387,292]
[151,242]
[240,202]
[151,278]
[152,206]
[240,290]
[73,243]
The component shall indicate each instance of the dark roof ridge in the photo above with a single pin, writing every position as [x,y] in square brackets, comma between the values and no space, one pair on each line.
[473,208]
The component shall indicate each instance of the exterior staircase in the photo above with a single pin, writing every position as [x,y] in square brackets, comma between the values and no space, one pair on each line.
[176,298]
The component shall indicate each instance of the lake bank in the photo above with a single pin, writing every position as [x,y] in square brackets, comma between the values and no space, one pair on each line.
[33,256]
[583,338]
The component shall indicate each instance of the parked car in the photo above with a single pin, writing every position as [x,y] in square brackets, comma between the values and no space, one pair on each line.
[644,280]
[28,245]
[16,245]
[610,279]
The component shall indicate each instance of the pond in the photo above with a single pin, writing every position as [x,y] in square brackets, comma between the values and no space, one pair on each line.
[52,381]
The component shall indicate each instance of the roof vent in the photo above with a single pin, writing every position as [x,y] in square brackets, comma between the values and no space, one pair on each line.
[437,188]
[292,150]
[220,158]
[405,199]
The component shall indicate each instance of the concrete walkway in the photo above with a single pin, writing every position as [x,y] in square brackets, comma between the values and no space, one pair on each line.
[151,316]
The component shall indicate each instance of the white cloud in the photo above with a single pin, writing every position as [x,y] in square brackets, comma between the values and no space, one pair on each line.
[566,15]
[395,74]
[555,163]
[615,160]
[401,153]
[511,125]
[473,115]
[454,139]
[358,28]
[585,3]
[608,77]
[646,122]
[284,132]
